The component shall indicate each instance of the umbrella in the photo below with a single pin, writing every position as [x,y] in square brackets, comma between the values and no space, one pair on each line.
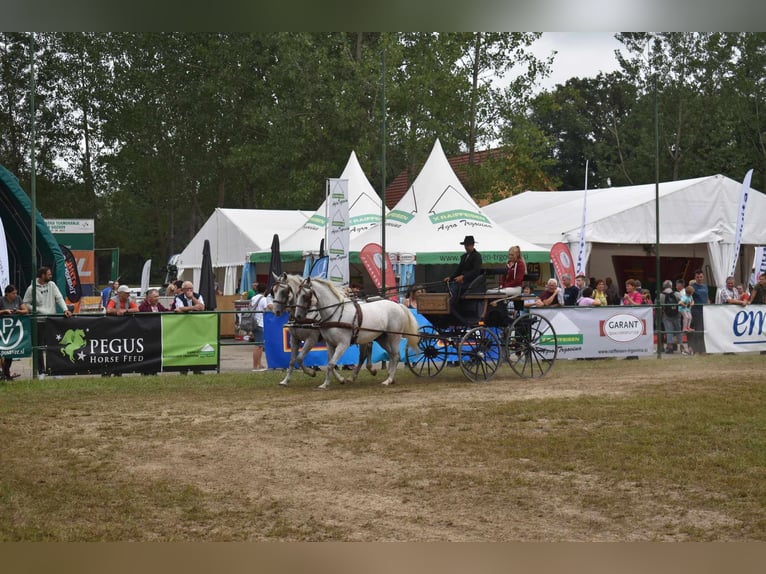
[207,279]
[275,265]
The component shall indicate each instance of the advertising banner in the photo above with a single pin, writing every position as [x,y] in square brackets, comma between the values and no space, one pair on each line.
[15,336]
[562,261]
[734,329]
[338,235]
[371,256]
[72,275]
[140,343]
[189,340]
[600,332]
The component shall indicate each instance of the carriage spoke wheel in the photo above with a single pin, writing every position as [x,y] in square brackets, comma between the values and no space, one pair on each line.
[479,354]
[430,357]
[530,346]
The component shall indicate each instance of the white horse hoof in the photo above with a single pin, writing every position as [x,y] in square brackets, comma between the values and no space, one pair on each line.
[323,386]
[387,382]
[282,383]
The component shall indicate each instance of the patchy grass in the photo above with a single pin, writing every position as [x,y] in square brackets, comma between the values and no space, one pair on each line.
[598,450]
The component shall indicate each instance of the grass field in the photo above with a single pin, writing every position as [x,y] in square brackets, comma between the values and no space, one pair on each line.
[656,450]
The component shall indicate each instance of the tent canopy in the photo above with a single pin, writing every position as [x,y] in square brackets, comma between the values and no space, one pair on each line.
[233,233]
[363,209]
[15,212]
[693,211]
[434,216]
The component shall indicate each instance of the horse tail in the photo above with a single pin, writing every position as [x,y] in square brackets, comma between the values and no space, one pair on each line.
[412,329]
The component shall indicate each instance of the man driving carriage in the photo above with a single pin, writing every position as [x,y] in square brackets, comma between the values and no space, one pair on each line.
[467,270]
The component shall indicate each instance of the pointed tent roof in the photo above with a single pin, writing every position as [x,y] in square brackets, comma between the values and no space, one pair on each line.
[436,214]
[233,233]
[363,209]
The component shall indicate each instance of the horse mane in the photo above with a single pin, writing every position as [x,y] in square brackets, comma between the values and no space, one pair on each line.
[331,287]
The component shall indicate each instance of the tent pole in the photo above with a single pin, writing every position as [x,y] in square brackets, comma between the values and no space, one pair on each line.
[383,172]
[658,279]
[33,197]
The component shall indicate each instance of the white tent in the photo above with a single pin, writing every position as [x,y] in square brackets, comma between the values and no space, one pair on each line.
[363,209]
[233,233]
[697,216]
[434,216]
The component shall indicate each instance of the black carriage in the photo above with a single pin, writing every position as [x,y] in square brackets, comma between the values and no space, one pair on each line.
[483,331]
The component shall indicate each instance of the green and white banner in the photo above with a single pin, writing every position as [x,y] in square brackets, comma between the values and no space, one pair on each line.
[15,336]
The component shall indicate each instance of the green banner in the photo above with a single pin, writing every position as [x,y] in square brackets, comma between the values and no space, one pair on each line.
[15,336]
[189,339]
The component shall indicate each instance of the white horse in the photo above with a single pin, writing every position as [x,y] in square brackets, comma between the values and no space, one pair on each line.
[344,321]
[285,289]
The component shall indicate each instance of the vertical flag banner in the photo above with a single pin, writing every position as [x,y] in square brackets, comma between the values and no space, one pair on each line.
[561,258]
[371,256]
[72,275]
[338,232]
[5,274]
[740,221]
[580,267]
[145,273]
[760,264]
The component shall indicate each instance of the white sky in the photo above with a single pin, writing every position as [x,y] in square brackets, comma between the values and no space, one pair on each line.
[580,54]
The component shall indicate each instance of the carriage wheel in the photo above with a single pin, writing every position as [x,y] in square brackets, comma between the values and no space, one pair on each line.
[479,353]
[530,346]
[430,357]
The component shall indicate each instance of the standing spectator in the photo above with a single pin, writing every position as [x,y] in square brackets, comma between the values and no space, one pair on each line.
[581,283]
[252,292]
[259,304]
[569,294]
[612,292]
[646,297]
[632,296]
[599,294]
[742,294]
[587,299]
[701,299]
[49,300]
[10,304]
[109,292]
[671,320]
[151,303]
[187,300]
[728,294]
[758,292]
[511,282]
[122,304]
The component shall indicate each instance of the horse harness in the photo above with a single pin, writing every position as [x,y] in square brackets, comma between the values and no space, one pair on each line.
[356,322]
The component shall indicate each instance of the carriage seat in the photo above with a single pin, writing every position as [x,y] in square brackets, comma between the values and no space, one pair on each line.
[478,285]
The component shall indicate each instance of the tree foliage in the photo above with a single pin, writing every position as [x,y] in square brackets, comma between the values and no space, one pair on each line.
[149,132]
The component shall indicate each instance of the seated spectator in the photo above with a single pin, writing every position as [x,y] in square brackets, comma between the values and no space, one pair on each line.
[151,303]
[411,300]
[122,304]
[549,297]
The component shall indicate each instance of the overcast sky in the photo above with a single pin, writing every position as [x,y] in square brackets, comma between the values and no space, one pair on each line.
[580,54]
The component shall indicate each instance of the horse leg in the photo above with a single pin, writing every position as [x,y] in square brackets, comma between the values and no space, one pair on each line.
[363,356]
[368,354]
[308,344]
[334,353]
[392,347]
[294,344]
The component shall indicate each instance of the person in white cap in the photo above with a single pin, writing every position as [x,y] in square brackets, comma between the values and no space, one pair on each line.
[123,304]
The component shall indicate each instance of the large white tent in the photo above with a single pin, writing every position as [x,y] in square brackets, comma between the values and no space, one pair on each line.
[363,209]
[434,216]
[233,233]
[697,217]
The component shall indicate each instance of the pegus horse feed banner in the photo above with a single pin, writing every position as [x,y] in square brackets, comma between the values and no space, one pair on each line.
[136,343]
